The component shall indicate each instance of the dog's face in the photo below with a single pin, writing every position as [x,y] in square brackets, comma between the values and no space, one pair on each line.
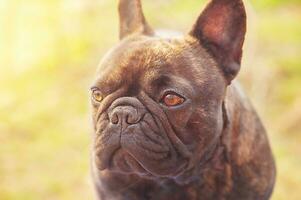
[157,103]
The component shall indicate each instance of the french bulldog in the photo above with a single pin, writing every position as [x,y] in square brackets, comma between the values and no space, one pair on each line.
[170,122]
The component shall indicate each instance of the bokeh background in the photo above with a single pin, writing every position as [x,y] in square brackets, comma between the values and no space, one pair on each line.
[49,51]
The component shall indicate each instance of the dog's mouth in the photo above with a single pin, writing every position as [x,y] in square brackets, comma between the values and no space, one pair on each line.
[146,146]
[123,162]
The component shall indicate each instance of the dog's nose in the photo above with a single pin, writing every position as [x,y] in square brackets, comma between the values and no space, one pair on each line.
[125,115]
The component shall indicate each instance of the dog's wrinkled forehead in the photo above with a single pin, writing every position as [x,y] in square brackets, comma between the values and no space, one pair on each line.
[142,59]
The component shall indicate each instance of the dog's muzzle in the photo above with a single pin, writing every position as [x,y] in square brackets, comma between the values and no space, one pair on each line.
[134,137]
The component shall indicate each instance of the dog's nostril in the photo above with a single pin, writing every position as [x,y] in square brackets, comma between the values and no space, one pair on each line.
[132,118]
[114,119]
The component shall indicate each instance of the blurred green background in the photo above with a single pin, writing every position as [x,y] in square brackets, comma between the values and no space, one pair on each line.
[49,50]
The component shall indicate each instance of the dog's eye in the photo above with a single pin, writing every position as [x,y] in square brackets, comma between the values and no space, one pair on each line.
[97,95]
[172,99]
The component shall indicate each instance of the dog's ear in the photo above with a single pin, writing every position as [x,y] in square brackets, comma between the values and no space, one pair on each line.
[221,30]
[132,19]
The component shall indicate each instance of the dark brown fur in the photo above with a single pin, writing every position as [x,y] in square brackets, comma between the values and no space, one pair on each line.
[213,146]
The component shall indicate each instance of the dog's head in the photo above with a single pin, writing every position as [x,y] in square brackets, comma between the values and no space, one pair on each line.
[157,103]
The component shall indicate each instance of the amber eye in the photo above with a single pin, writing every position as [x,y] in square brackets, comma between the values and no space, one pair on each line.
[96,95]
[172,99]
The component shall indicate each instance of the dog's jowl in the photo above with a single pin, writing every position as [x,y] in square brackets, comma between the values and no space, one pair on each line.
[170,122]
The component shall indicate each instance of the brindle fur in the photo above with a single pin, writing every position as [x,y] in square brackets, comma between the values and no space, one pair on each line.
[213,146]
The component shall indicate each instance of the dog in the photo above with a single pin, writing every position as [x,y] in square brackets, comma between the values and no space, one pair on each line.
[170,122]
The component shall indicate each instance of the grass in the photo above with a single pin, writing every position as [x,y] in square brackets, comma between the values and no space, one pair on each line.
[48,54]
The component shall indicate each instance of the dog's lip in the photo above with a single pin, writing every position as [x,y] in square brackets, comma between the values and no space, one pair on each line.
[142,171]
[146,172]
[177,169]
